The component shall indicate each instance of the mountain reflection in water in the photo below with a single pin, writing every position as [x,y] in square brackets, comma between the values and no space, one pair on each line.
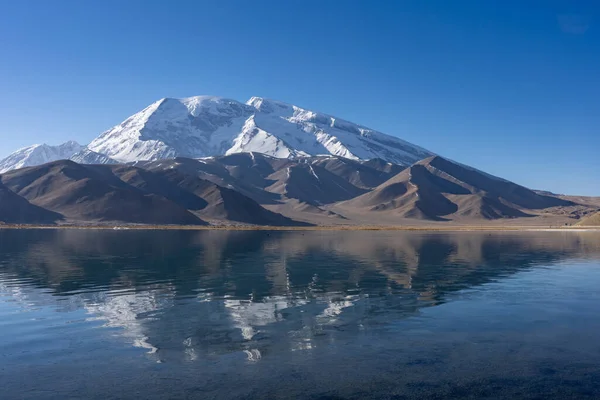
[207,296]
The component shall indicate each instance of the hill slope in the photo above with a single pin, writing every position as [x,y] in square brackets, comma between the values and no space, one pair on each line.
[297,188]
[257,189]
[204,197]
[592,220]
[14,209]
[79,193]
[125,193]
[438,189]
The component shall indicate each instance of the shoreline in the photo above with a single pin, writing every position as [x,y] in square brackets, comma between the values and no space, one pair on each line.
[452,228]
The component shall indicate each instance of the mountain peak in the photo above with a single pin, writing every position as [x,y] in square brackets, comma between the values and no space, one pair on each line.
[70,143]
[197,105]
[435,159]
[446,165]
[203,126]
[30,147]
[269,106]
[39,154]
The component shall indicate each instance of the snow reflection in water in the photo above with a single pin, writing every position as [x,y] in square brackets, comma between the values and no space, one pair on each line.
[229,300]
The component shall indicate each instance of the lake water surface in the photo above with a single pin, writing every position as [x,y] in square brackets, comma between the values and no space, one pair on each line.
[102,314]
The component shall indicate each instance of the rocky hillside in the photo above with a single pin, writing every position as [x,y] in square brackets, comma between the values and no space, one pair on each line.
[257,189]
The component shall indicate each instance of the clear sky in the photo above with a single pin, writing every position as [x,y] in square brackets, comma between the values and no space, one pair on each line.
[510,87]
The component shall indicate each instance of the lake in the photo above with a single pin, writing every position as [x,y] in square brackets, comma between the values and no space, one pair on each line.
[101,314]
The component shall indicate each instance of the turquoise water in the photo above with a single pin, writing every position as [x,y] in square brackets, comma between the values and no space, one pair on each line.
[316,315]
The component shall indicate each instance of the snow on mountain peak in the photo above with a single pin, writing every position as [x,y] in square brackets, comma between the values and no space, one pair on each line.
[203,126]
[334,135]
[39,154]
[270,106]
[70,144]
[191,127]
[198,105]
[86,156]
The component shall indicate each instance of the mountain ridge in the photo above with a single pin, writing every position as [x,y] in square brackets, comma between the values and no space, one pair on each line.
[257,189]
[209,159]
[438,189]
[203,126]
[38,154]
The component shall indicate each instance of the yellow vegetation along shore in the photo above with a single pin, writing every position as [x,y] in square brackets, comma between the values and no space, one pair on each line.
[592,220]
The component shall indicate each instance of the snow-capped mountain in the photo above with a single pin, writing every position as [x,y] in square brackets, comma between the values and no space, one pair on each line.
[207,126]
[87,156]
[39,154]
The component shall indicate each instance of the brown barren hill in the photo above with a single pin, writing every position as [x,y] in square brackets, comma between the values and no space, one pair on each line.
[362,174]
[320,179]
[15,209]
[439,189]
[312,184]
[80,193]
[206,198]
[255,189]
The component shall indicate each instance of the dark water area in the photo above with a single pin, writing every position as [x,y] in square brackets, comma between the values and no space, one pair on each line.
[310,315]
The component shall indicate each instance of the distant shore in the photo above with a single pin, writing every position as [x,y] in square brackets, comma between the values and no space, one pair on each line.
[448,228]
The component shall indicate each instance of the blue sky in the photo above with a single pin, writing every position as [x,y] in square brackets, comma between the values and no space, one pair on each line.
[509,87]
